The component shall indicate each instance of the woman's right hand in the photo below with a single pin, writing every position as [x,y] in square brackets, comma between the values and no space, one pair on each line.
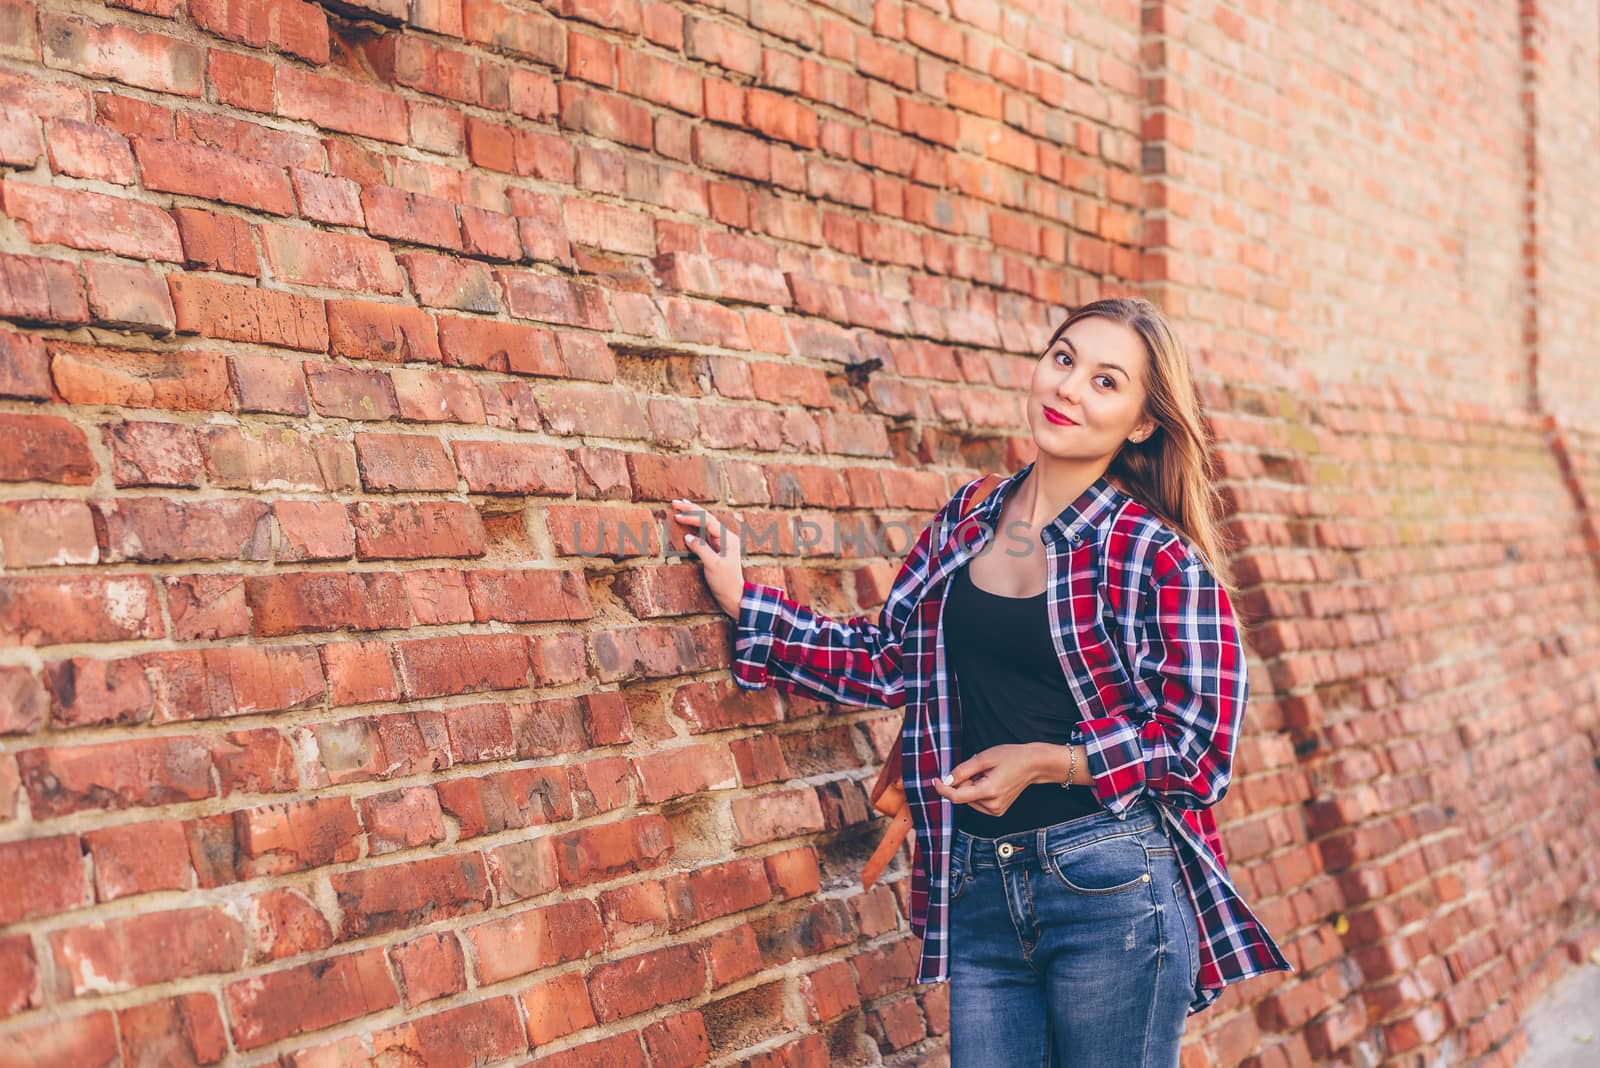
[718,550]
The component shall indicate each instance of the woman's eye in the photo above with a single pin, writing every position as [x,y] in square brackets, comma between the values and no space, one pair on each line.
[1110,384]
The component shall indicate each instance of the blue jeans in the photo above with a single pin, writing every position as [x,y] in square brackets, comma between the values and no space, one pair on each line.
[1074,945]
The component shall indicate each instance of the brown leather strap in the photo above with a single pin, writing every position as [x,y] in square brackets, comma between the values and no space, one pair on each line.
[888,793]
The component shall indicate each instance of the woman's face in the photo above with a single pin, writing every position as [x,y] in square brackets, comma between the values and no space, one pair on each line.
[1094,376]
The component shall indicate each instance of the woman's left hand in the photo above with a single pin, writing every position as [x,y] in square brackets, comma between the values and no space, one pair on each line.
[991,780]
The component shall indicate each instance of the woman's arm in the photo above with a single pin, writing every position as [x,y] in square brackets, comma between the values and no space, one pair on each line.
[854,661]
[1189,673]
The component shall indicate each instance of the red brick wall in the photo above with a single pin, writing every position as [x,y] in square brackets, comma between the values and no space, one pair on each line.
[323,742]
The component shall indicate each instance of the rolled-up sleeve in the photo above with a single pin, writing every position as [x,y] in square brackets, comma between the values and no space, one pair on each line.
[1192,685]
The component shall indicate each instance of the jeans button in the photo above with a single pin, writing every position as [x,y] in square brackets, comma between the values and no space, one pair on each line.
[1145,877]
[1006,849]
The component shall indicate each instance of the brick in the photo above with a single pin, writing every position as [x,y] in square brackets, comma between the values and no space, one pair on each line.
[207,607]
[154,454]
[233,680]
[480,733]
[522,869]
[241,81]
[507,468]
[180,381]
[528,941]
[257,761]
[310,997]
[216,242]
[19,976]
[781,814]
[47,533]
[115,775]
[402,819]
[313,530]
[157,530]
[529,596]
[94,221]
[244,313]
[23,703]
[359,672]
[408,530]
[85,150]
[605,116]
[316,601]
[491,234]
[184,1030]
[438,595]
[148,60]
[42,877]
[411,217]
[684,770]
[678,1041]
[525,797]
[404,462]
[296,27]
[294,836]
[720,44]
[430,966]
[88,608]
[446,282]
[661,81]
[341,105]
[276,459]
[146,949]
[327,198]
[86,1040]
[556,1008]
[477,1033]
[647,981]
[44,448]
[268,384]
[552,299]
[376,900]
[36,289]
[386,333]
[129,297]
[433,667]
[172,166]
[24,367]
[607,850]
[88,692]
[302,256]
[350,392]
[427,396]
[497,346]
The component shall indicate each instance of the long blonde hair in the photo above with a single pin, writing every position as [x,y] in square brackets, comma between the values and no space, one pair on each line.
[1168,472]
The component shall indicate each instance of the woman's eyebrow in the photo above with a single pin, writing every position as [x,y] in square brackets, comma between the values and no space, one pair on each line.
[1062,340]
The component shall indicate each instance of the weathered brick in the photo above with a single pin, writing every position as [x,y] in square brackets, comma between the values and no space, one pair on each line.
[42,876]
[172,166]
[146,949]
[116,775]
[307,257]
[528,941]
[148,60]
[182,1030]
[82,219]
[430,966]
[47,533]
[180,381]
[157,530]
[154,454]
[244,313]
[392,897]
[308,997]
[291,25]
[86,608]
[415,529]
[36,289]
[389,333]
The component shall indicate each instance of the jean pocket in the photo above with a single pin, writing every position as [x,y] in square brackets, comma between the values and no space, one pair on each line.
[1106,866]
[1189,927]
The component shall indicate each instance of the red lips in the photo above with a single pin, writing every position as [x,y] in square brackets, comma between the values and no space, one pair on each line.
[1056,417]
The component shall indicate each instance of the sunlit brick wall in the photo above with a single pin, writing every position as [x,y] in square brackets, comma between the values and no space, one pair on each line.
[332,731]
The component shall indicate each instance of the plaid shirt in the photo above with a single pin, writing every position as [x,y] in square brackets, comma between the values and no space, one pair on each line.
[1149,648]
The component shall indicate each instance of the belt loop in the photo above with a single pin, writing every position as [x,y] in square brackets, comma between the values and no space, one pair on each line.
[1041,844]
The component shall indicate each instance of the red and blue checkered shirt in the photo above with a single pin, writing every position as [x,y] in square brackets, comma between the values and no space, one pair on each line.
[1149,646]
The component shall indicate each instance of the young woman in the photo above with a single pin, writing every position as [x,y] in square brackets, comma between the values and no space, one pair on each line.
[1072,705]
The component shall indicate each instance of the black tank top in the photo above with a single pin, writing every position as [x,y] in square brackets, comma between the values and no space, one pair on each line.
[1012,690]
